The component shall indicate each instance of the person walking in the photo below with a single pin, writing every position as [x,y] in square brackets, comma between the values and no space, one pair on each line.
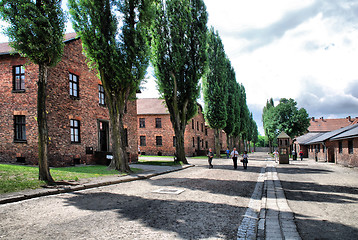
[245,159]
[210,158]
[276,155]
[227,153]
[301,155]
[234,155]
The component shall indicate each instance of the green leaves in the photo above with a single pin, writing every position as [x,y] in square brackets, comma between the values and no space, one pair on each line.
[179,53]
[36,29]
[284,117]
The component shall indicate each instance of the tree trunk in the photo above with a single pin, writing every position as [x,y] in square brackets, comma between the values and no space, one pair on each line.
[217,142]
[179,147]
[119,161]
[44,170]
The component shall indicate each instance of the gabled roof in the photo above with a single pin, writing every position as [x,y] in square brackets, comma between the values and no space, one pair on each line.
[352,133]
[151,106]
[324,137]
[283,135]
[302,140]
[5,48]
[327,125]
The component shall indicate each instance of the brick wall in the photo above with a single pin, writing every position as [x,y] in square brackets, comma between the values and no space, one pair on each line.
[196,141]
[345,158]
[61,109]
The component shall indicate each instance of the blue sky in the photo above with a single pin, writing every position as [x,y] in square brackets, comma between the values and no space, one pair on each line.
[301,49]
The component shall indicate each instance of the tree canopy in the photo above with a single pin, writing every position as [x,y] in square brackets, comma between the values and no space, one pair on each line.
[179,55]
[120,55]
[36,32]
[284,117]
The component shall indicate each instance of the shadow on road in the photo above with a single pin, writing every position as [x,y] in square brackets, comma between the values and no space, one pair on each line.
[188,219]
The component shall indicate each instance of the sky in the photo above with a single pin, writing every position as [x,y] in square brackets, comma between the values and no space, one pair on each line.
[301,49]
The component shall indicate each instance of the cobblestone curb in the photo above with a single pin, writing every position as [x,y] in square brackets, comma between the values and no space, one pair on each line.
[268,215]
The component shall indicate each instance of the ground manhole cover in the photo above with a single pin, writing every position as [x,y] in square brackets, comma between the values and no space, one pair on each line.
[168,191]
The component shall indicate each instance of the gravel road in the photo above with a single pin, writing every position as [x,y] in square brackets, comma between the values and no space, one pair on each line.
[211,206]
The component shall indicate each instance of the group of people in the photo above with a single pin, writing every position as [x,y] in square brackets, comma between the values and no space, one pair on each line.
[234,155]
[275,153]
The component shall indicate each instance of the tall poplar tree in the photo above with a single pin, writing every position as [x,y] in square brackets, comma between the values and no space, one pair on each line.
[215,87]
[36,32]
[231,104]
[120,56]
[179,58]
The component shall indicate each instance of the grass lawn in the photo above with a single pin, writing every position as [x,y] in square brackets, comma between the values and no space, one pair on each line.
[16,178]
[159,162]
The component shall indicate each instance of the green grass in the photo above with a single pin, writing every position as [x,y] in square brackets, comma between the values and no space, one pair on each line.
[159,162]
[16,178]
[156,156]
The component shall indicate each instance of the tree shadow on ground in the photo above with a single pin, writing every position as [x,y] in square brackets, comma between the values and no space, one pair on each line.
[315,229]
[225,187]
[189,219]
[310,191]
[297,170]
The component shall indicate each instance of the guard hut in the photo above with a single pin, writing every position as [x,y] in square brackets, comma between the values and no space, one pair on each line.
[284,146]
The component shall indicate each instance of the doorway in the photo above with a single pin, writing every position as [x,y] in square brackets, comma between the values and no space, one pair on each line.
[103,132]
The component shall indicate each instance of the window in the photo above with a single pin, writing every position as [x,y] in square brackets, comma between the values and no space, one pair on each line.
[197,126]
[75,131]
[73,85]
[202,143]
[319,148]
[192,123]
[174,141]
[350,146]
[206,144]
[202,127]
[206,132]
[141,122]
[158,122]
[19,78]
[101,95]
[20,128]
[142,141]
[340,147]
[158,140]
[193,142]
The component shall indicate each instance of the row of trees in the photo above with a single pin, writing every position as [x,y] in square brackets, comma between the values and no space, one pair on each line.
[116,37]
[285,117]
[225,98]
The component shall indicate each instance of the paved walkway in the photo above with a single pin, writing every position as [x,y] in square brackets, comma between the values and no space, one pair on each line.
[268,215]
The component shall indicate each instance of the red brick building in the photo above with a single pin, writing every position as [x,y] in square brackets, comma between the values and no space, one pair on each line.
[156,135]
[331,140]
[78,120]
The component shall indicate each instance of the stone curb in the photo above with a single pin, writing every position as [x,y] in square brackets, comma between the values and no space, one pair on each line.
[20,196]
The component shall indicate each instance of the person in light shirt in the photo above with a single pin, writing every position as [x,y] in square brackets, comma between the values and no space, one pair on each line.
[234,154]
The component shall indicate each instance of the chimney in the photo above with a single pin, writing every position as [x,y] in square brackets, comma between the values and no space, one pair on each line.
[312,119]
[349,119]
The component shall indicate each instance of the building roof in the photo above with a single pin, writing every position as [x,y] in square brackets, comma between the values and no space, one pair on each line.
[151,106]
[330,135]
[307,137]
[283,135]
[327,125]
[5,48]
[351,133]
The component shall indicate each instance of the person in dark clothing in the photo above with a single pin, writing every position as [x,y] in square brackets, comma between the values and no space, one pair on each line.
[210,158]
[245,159]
